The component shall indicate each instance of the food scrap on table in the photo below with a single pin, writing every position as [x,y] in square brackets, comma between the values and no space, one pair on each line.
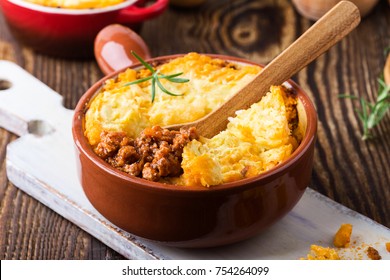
[345,248]
[343,236]
[373,253]
[322,253]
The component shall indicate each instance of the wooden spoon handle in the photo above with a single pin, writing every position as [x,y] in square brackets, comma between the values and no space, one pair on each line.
[326,32]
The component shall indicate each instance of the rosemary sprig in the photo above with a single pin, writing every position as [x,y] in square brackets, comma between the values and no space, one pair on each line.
[371,114]
[156,77]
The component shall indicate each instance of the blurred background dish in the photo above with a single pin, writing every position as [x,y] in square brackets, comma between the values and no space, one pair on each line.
[70,33]
[315,9]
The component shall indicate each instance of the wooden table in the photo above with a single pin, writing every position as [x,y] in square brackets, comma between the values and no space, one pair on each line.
[353,172]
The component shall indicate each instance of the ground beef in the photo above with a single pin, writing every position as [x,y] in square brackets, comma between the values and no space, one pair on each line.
[156,153]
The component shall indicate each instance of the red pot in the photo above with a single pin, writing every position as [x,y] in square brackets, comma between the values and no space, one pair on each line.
[70,32]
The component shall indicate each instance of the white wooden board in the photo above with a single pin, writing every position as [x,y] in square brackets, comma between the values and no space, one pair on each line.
[42,163]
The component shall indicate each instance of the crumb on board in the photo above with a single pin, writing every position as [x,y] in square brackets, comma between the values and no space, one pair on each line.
[373,254]
[321,253]
[345,248]
[343,236]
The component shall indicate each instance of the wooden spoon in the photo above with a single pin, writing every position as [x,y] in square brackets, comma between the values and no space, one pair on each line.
[326,32]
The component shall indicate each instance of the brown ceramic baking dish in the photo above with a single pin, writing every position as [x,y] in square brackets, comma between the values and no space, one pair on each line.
[195,216]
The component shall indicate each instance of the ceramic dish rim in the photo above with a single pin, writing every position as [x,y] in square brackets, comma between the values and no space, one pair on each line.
[67,11]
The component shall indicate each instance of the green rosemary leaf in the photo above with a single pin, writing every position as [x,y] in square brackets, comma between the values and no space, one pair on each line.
[384,93]
[364,108]
[138,81]
[178,80]
[172,78]
[370,106]
[163,76]
[360,115]
[155,77]
[153,90]
[371,114]
[382,83]
[164,89]
[347,96]
[380,112]
[144,63]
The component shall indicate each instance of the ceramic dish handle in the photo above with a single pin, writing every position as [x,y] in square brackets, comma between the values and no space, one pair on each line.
[135,14]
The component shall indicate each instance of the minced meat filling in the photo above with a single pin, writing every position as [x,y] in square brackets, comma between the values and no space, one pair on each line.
[156,153]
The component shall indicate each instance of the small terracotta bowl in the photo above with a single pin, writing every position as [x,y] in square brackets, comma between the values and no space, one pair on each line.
[195,216]
[70,33]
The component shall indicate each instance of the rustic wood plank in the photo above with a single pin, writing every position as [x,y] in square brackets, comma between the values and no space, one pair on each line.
[347,169]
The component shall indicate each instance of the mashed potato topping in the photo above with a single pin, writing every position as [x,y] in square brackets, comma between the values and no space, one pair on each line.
[76,4]
[256,140]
